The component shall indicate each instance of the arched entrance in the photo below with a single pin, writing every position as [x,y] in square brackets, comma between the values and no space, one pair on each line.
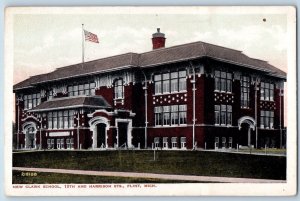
[29,129]
[246,126]
[99,126]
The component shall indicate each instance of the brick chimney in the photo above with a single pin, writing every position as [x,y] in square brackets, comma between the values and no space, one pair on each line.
[158,39]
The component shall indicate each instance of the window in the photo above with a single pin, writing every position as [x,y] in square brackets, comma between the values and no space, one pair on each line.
[174,142]
[224,142]
[66,119]
[60,119]
[156,142]
[223,81]
[223,114]
[87,89]
[183,142]
[32,100]
[266,91]
[170,115]
[50,126]
[245,91]
[230,142]
[216,142]
[62,143]
[174,82]
[158,115]
[157,81]
[119,89]
[182,80]
[166,115]
[71,118]
[165,142]
[182,114]
[50,94]
[54,119]
[267,119]
[166,82]
[229,115]
[70,143]
[174,114]
[217,114]
[170,82]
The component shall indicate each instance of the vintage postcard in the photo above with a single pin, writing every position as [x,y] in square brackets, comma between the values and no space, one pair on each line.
[150,101]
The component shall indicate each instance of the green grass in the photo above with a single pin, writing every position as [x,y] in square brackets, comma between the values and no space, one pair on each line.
[58,178]
[168,162]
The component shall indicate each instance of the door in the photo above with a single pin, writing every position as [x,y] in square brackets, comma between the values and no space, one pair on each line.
[122,131]
[101,135]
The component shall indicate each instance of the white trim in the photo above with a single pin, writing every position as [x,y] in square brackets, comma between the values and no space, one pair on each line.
[247,119]
[30,116]
[93,127]
[101,110]
[25,127]
[129,131]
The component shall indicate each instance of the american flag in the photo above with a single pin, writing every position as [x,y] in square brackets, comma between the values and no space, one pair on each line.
[91,37]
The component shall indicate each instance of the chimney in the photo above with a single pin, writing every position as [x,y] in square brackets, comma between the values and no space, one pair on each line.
[158,39]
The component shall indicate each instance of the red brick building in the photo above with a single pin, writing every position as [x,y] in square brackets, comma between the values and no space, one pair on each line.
[195,95]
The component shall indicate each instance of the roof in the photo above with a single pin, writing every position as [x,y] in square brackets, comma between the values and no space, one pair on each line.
[154,58]
[72,102]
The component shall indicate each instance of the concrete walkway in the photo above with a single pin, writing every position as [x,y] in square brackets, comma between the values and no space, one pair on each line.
[151,175]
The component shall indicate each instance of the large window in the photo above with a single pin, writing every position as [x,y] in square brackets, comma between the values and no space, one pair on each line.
[245,91]
[119,88]
[32,100]
[166,115]
[170,115]
[182,114]
[174,115]
[266,91]
[223,81]
[61,119]
[82,89]
[170,82]
[158,115]
[267,119]
[223,114]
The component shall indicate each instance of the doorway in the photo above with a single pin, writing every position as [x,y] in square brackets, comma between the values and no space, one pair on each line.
[122,134]
[101,135]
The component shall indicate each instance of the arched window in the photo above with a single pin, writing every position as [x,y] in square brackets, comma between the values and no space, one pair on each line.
[119,88]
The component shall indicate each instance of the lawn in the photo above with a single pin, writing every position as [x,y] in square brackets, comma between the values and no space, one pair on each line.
[168,162]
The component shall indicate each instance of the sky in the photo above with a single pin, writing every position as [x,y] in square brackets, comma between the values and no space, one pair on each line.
[44,42]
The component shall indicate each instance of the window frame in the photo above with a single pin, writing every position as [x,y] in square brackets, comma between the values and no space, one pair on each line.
[164,82]
[267,90]
[118,89]
[245,91]
[225,77]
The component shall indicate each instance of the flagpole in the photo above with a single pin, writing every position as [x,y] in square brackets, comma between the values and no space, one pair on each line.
[82,46]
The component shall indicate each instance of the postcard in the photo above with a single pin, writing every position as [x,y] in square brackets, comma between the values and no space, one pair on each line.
[150,101]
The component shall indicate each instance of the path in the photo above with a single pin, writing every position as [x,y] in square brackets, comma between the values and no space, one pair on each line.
[151,175]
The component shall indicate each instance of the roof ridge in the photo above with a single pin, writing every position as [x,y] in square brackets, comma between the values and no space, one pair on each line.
[105,58]
[171,47]
[222,47]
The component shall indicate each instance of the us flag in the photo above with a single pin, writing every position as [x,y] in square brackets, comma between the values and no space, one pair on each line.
[91,37]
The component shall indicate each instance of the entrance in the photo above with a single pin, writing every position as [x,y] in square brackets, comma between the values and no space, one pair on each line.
[243,138]
[30,138]
[101,138]
[122,134]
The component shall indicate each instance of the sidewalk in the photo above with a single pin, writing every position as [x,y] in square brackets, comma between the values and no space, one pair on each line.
[151,175]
